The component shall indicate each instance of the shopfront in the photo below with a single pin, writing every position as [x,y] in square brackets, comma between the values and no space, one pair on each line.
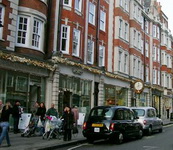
[156,100]
[74,91]
[23,87]
[115,95]
[142,99]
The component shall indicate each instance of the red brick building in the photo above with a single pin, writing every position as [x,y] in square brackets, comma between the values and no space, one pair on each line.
[26,40]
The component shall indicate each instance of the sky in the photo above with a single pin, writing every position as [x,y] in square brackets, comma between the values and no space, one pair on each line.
[167,8]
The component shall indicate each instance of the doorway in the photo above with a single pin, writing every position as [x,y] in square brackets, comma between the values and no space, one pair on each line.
[65,99]
[35,96]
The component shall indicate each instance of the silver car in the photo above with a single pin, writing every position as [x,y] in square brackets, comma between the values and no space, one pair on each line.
[148,119]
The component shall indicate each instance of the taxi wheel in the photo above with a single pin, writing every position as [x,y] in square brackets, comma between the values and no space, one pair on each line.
[90,140]
[119,138]
[161,130]
[140,134]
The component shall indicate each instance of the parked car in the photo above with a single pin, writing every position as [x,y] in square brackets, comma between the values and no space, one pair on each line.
[115,123]
[148,118]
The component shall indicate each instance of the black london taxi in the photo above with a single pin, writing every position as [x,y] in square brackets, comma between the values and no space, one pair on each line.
[114,123]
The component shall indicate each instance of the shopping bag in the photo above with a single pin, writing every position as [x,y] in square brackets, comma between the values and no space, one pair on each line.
[75,130]
[39,124]
[47,126]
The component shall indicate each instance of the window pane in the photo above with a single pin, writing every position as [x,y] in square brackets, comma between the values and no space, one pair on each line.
[22,30]
[90,51]
[76,42]
[36,33]
[91,13]
[64,38]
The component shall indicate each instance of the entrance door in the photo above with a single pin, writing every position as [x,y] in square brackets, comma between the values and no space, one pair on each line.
[35,96]
[67,98]
[64,100]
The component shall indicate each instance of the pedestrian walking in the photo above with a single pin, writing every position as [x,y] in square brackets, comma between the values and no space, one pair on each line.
[1,107]
[68,121]
[16,115]
[35,108]
[4,123]
[41,111]
[76,114]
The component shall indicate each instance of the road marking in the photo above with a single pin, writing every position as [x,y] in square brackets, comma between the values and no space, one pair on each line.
[150,147]
[149,137]
[168,125]
[78,146]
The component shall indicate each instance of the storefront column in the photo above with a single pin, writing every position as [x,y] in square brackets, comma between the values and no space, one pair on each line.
[55,87]
[129,98]
[148,100]
[48,91]
[162,109]
[101,92]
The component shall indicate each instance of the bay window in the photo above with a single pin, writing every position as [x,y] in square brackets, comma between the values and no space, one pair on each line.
[30,32]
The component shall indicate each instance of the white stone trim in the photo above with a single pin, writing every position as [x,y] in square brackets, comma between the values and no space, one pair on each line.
[33,12]
[12,27]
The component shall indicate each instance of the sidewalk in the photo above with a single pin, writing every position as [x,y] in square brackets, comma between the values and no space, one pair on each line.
[37,143]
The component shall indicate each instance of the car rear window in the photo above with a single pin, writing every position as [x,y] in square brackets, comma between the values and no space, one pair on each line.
[139,112]
[105,113]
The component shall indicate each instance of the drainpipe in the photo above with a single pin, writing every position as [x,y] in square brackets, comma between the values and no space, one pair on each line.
[59,25]
[97,33]
[144,53]
[48,29]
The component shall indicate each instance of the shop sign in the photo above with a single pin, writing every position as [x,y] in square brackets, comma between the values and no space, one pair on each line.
[77,71]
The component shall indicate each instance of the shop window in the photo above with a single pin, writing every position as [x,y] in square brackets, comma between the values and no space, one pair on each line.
[10,81]
[21,84]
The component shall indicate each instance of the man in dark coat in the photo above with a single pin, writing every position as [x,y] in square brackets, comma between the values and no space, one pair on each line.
[68,123]
[16,115]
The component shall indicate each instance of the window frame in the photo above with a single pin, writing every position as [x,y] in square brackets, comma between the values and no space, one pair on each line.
[91,51]
[26,44]
[101,57]
[126,31]
[102,20]
[120,27]
[120,53]
[67,38]
[91,14]
[29,32]
[69,3]
[125,63]
[2,15]
[77,42]
[37,34]
[80,5]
